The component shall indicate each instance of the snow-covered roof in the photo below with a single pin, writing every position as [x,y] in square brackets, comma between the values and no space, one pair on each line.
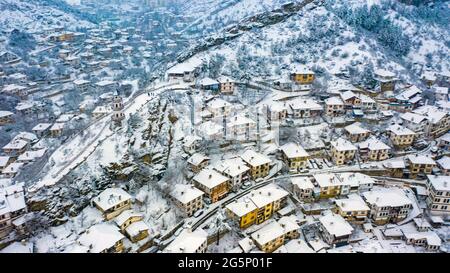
[80,82]
[429,75]
[257,199]
[302,182]
[209,128]
[444,162]
[336,225]
[421,223]
[232,167]
[440,182]
[224,79]
[137,227]
[246,244]
[301,69]
[430,236]
[343,145]
[240,120]
[334,100]
[12,198]
[105,83]
[304,103]
[386,197]
[185,193]
[4,160]
[356,129]
[293,150]
[327,180]
[421,159]
[6,114]
[400,130]
[297,246]
[384,73]
[288,223]
[373,144]
[348,95]
[441,90]
[433,113]
[12,87]
[100,237]
[197,159]
[57,126]
[254,159]
[102,110]
[352,204]
[27,136]
[31,155]
[242,206]
[210,178]
[41,127]
[267,194]
[355,179]
[12,168]
[16,144]
[413,117]
[187,242]
[268,233]
[218,103]
[18,247]
[110,198]
[207,81]
[125,215]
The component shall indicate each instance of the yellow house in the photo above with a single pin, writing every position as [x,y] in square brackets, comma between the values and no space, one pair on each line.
[257,206]
[294,156]
[374,149]
[356,133]
[259,164]
[352,209]
[270,237]
[342,151]
[131,223]
[420,164]
[329,185]
[112,201]
[401,136]
[303,75]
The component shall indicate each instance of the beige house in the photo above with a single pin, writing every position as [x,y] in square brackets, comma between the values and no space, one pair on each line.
[259,164]
[112,201]
[342,151]
[294,156]
[212,183]
[12,207]
[226,85]
[374,149]
[401,136]
[197,162]
[131,224]
[334,106]
[352,209]
[438,199]
[6,117]
[420,164]
[188,198]
[303,188]
[387,205]
[356,133]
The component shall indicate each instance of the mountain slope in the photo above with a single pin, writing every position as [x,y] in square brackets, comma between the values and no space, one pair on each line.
[322,37]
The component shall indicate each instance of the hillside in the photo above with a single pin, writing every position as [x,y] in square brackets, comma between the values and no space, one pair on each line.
[327,37]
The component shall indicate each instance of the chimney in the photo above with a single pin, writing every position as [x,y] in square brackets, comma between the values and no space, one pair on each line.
[210,176]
